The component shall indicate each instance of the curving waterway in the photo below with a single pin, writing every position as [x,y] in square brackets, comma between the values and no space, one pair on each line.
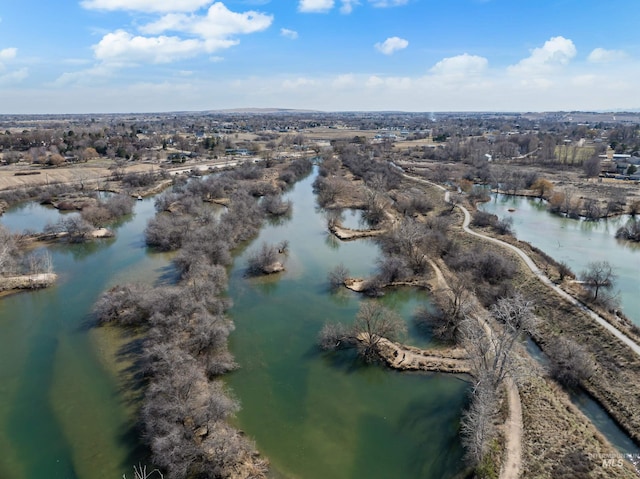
[63,413]
[319,415]
[576,242]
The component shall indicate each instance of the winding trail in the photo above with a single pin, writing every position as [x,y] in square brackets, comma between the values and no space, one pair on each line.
[536,271]
[512,464]
[513,432]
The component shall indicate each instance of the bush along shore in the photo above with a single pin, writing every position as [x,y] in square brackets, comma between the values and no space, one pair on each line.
[491,286]
[20,269]
[186,406]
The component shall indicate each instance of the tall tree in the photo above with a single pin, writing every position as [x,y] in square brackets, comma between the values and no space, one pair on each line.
[598,276]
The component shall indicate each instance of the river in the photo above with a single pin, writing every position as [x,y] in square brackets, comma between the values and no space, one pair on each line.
[319,415]
[576,242]
[63,413]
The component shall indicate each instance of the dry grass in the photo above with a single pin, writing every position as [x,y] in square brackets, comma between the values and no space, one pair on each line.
[559,441]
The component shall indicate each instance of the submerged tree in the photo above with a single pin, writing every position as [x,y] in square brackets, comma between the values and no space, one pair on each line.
[598,276]
[374,323]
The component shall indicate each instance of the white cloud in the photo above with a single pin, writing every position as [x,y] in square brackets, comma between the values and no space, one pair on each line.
[191,35]
[388,3]
[600,55]
[347,6]
[14,77]
[90,76]
[292,34]
[8,54]
[392,45]
[315,6]
[148,6]
[123,48]
[460,66]
[557,51]
[297,83]
[215,27]
[342,81]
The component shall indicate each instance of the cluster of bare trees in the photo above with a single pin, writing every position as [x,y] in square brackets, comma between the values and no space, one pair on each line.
[186,406]
[15,262]
[78,228]
[493,360]
[482,219]
[109,210]
[373,324]
[491,272]
[569,203]
[630,231]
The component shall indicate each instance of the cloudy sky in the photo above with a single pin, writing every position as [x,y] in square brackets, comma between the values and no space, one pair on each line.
[86,56]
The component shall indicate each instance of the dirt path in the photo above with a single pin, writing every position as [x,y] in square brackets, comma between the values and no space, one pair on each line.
[537,272]
[408,358]
[512,464]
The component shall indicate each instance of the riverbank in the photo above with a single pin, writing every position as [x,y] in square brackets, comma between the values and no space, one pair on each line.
[597,337]
[12,284]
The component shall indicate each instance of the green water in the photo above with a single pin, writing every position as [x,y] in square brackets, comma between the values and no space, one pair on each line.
[576,242]
[62,414]
[321,415]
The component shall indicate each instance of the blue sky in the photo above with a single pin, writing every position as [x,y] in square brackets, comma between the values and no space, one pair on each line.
[86,56]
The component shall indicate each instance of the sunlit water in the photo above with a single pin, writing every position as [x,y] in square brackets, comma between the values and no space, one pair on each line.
[61,411]
[314,414]
[320,415]
[576,242]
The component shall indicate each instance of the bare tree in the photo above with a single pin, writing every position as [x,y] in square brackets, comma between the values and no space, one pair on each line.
[543,187]
[598,276]
[8,250]
[452,306]
[337,276]
[491,351]
[591,167]
[374,323]
[264,260]
[333,336]
[477,427]
[570,362]
[275,205]
[407,240]
[140,472]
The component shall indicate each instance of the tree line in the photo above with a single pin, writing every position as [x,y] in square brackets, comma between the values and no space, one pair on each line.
[186,406]
[424,233]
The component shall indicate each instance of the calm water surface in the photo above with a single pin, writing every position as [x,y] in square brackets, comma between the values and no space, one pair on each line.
[576,242]
[61,412]
[320,415]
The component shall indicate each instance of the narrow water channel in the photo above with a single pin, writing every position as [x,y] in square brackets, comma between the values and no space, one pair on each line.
[319,415]
[577,242]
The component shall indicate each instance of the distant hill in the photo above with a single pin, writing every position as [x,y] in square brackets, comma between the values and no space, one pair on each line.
[259,111]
